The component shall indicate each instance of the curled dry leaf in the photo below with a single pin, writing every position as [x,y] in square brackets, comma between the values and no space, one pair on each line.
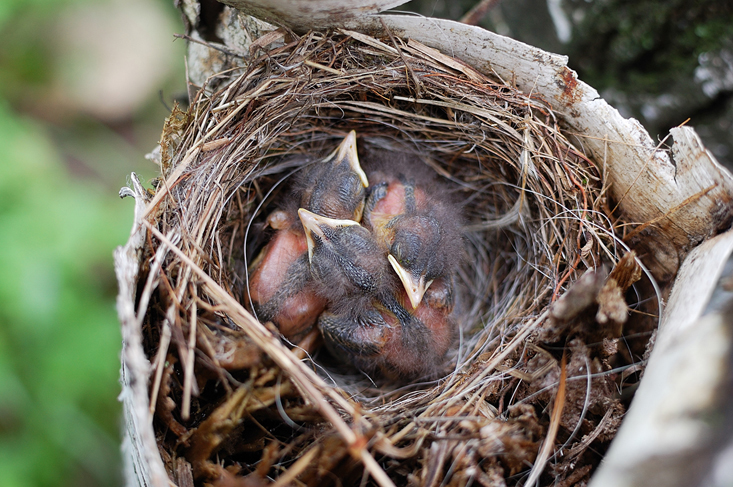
[611,306]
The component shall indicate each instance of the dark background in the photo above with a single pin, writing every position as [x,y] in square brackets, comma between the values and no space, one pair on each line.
[84,86]
[659,62]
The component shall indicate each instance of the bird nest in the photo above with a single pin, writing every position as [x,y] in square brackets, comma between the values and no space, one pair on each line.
[551,327]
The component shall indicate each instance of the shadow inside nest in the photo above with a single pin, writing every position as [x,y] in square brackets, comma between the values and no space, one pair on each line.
[548,350]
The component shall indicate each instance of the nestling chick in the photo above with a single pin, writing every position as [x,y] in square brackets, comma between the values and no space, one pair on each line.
[415,219]
[367,322]
[280,284]
[336,187]
[345,260]
[385,337]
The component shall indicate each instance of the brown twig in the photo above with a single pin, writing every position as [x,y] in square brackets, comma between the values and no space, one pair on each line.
[479,11]
[549,441]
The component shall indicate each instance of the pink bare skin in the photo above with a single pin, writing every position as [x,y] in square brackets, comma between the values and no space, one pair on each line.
[409,357]
[293,307]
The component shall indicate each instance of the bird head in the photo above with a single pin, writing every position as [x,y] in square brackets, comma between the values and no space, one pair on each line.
[336,186]
[418,253]
[344,257]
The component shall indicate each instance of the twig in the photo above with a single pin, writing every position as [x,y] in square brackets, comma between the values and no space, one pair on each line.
[211,45]
[474,16]
[549,442]
[188,368]
[297,468]
[415,80]
[165,341]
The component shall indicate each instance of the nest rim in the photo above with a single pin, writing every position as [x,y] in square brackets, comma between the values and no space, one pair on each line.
[524,158]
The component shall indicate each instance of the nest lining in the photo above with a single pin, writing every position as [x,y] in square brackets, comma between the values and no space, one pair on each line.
[231,405]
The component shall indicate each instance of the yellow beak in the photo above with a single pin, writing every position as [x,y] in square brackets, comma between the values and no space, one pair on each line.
[312,224]
[415,288]
[347,151]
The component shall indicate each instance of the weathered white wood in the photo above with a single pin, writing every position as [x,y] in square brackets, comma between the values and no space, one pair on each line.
[669,435]
[143,464]
[304,15]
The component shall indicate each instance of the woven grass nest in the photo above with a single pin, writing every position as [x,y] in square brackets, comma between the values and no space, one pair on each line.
[553,318]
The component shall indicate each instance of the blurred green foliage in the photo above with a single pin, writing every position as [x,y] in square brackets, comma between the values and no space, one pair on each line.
[60,220]
[646,46]
[59,339]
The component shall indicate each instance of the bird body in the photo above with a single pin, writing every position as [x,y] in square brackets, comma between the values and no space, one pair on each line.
[280,286]
[389,337]
[367,322]
[415,220]
[346,262]
[381,293]
[419,341]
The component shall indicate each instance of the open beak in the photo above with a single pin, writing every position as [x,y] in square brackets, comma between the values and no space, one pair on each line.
[313,225]
[347,151]
[415,287]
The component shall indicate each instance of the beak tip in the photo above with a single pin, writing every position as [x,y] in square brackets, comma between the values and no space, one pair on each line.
[347,150]
[304,215]
[415,296]
[306,220]
[414,289]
